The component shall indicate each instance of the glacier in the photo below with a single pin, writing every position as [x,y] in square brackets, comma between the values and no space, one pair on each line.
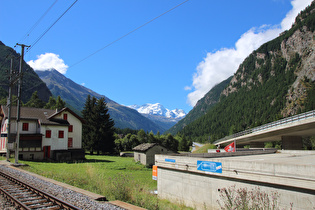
[158,109]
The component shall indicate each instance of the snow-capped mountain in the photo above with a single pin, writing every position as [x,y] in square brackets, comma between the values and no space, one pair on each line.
[160,115]
[159,110]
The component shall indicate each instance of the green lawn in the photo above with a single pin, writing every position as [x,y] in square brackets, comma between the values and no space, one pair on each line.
[116,178]
[204,148]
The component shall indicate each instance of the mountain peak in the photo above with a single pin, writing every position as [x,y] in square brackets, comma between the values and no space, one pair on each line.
[158,109]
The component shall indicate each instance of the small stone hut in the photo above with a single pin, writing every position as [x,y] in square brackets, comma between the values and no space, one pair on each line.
[145,153]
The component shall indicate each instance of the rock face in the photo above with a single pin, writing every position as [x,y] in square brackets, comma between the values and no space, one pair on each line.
[301,42]
[274,81]
[296,48]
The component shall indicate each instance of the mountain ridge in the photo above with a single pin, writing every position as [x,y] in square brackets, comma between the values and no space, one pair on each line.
[159,114]
[159,110]
[30,82]
[202,106]
[75,95]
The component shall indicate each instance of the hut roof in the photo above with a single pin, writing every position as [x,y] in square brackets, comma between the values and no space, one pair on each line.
[144,147]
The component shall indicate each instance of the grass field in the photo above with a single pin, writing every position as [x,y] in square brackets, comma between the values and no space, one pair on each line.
[204,149]
[116,178]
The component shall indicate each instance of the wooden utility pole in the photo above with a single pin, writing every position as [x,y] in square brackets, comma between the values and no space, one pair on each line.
[20,75]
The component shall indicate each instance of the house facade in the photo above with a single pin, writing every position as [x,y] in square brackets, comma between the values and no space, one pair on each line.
[44,133]
[145,153]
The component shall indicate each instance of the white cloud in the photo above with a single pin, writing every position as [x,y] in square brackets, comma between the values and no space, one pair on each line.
[48,61]
[221,64]
[298,5]
[187,88]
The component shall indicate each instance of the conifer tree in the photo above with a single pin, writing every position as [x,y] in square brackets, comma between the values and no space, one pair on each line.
[98,132]
[142,136]
[170,143]
[51,104]
[35,101]
[183,144]
[60,104]
[87,127]
[104,135]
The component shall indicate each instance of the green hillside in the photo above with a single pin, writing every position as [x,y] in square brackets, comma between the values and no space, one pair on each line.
[202,106]
[275,81]
[31,82]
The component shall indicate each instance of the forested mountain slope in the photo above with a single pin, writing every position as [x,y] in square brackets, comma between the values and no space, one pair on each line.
[202,106]
[30,83]
[275,81]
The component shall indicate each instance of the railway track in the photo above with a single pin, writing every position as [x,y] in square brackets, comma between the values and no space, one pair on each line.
[25,196]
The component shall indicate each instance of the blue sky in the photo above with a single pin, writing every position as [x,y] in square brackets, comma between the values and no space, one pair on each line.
[174,60]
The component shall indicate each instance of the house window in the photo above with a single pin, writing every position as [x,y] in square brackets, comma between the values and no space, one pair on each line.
[65,116]
[70,128]
[48,133]
[70,142]
[25,127]
[60,134]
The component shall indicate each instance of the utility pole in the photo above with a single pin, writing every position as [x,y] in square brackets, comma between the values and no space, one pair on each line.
[9,105]
[20,75]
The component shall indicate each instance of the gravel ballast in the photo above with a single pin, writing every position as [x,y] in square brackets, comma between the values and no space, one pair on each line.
[70,196]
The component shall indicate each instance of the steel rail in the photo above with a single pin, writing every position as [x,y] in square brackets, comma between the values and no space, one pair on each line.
[42,194]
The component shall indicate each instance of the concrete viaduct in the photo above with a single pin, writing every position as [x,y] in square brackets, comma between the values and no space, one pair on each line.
[289,130]
[200,180]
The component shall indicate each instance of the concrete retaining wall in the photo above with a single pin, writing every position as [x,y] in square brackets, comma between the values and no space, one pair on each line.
[292,176]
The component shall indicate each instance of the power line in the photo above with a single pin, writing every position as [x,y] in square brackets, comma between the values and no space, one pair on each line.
[107,44]
[128,33]
[33,27]
[43,34]
[37,22]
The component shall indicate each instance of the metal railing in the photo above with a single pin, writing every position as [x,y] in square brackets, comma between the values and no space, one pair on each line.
[284,121]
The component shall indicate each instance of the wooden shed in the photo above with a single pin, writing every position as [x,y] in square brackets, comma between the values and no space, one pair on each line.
[145,153]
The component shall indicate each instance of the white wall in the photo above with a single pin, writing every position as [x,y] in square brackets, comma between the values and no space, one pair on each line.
[76,135]
[55,142]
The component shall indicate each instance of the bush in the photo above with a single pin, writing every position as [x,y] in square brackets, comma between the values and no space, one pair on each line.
[232,198]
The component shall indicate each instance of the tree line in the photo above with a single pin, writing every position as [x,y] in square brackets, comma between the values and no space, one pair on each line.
[100,136]
[36,102]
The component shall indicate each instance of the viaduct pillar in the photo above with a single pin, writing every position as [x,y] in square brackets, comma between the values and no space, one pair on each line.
[257,144]
[292,142]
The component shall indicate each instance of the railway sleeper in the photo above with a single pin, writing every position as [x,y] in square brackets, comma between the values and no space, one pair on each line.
[21,194]
[39,206]
[53,208]
[30,198]
[35,201]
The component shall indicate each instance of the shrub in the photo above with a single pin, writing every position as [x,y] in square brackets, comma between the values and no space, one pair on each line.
[232,198]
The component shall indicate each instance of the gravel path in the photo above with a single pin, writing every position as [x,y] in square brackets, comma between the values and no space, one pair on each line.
[70,196]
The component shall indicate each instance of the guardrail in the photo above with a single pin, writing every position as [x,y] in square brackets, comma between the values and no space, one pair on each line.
[287,120]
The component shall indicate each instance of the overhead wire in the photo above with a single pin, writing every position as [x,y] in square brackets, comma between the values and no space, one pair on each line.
[37,22]
[127,34]
[44,33]
[31,29]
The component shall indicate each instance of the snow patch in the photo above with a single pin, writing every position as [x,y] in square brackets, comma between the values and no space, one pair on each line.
[159,110]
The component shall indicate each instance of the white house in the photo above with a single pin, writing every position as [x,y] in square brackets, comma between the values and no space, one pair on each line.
[44,133]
